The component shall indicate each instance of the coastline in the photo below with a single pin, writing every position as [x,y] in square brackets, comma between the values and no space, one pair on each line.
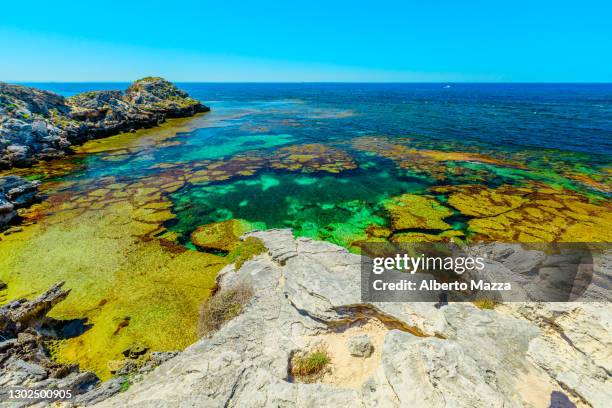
[109,222]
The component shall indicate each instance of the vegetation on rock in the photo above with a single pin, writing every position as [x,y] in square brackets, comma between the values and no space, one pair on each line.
[220,236]
[248,249]
[223,306]
[305,366]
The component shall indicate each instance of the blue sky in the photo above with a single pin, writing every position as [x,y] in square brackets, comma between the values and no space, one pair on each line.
[331,40]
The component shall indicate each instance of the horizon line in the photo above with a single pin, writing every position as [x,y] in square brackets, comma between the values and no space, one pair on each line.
[313,82]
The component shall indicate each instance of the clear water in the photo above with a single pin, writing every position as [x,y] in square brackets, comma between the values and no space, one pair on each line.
[551,129]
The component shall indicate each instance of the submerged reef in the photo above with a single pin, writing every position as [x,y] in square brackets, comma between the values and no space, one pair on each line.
[37,124]
[531,214]
[220,236]
[311,158]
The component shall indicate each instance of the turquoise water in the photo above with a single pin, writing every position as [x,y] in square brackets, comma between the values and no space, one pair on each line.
[551,131]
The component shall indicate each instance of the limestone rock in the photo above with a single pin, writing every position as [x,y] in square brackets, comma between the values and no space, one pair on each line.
[24,359]
[360,346]
[307,294]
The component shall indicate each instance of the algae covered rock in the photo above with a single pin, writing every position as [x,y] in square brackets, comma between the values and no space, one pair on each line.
[531,214]
[155,94]
[220,236]
[417,211]
[312,157]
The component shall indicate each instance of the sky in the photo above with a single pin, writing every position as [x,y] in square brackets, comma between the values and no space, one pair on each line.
[307,41]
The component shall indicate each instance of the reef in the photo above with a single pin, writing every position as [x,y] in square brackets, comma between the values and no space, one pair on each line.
[411,211]
[425,162]
[129,278]
[37,124]
[311,158]
[220,236]
[535,213]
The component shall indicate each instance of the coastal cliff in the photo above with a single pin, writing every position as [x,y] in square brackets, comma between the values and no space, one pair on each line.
[41,125]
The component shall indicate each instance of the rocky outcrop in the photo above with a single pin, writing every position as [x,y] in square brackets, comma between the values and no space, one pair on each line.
[37,124]
[15,193]
[24,359]
[307,297]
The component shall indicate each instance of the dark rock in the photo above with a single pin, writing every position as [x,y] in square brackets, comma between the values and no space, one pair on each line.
[23,314]
[24,359]
[15,192]
[135,351]
[99,394]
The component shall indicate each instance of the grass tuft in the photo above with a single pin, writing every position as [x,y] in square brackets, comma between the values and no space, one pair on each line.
[484,304]
[309,364]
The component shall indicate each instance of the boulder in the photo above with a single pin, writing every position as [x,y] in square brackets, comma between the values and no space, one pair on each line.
[15,192]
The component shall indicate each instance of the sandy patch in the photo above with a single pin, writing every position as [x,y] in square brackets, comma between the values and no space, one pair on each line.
[346,371]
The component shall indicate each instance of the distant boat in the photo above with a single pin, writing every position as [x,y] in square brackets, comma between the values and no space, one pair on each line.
[447,86]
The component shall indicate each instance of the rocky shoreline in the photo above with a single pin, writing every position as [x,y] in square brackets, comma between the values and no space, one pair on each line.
[306,296]
[15,192]
[41,125]
[26,335]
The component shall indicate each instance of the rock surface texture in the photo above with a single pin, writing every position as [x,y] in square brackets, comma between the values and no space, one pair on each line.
[307,297]
[24,360]
[15,193]
[37,124]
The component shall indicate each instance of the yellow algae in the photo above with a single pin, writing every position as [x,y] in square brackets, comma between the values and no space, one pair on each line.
[417,211]
[220,236]
[531,214]
[129,286]
[432,163]
[142,138]
[445,236]
[311,158]
[99,192]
